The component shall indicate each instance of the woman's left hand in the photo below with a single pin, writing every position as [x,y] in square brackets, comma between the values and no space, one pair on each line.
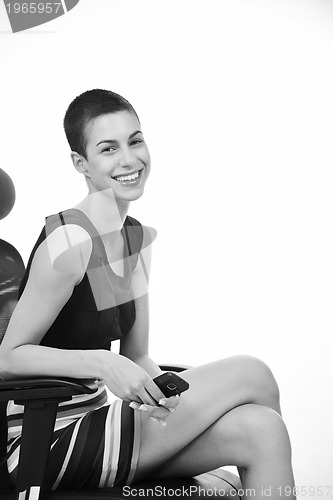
[160,412]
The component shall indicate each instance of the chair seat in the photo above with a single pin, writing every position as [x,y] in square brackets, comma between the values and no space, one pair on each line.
[220,483]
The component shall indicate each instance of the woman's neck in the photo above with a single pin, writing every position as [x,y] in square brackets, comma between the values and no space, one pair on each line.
[105,212]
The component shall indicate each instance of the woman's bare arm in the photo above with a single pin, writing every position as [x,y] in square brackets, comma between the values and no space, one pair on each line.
[46,292]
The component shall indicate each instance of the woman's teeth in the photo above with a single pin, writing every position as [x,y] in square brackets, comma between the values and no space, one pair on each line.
[127,178]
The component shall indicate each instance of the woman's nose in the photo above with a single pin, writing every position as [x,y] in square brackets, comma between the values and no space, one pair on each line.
[127,158]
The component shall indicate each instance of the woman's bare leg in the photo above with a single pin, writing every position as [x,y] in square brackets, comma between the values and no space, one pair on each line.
[215,389]
[252,437]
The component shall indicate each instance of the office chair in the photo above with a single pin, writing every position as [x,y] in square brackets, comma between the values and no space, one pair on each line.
[41,396]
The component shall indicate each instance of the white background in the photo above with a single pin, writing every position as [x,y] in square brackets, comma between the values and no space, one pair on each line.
[235,100]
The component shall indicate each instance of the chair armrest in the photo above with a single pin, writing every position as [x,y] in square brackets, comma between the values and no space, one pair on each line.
[49,387]
[174,368]
[46,387]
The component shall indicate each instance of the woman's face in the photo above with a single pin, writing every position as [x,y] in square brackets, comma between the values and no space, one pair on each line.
[117,155]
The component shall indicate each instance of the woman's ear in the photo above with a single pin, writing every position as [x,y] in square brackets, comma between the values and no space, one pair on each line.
[80,163]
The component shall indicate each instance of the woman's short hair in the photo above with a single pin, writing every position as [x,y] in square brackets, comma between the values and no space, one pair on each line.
[87,107]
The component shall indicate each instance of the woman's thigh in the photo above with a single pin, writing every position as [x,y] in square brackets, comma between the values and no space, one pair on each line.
[237,438]
[215,389]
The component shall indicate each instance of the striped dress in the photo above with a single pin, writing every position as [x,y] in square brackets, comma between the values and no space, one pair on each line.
[95,442]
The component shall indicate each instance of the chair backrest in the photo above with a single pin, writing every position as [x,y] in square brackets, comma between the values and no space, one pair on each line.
[11,272]
[11,263]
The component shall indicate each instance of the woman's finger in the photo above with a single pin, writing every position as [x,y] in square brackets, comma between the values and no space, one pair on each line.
[170,403]
[151,411]
[159,420]
[135,405]
[155,411]
[158,412]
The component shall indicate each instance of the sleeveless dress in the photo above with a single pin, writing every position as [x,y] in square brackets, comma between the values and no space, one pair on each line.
[95,443]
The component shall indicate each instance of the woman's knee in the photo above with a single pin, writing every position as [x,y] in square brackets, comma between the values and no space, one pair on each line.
[259,380]
[261,432]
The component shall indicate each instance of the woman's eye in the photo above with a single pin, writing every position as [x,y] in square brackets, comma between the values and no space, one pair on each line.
[109,149]
[136,141]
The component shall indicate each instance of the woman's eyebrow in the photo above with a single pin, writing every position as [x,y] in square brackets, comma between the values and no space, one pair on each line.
[114,140]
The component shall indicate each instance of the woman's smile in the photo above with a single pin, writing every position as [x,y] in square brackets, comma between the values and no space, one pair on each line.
[130,179]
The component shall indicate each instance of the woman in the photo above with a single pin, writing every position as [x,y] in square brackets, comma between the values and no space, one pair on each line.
[84,287]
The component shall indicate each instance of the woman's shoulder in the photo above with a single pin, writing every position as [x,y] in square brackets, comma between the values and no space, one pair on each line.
[68,239]
[64,242]
[74,218]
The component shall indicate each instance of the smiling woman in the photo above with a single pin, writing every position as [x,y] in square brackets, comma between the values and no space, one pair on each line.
[108,147]
[86,279]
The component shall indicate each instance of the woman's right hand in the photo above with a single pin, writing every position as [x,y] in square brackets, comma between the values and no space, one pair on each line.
[129,381]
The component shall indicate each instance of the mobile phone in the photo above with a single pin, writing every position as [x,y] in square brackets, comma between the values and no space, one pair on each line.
[171,384]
